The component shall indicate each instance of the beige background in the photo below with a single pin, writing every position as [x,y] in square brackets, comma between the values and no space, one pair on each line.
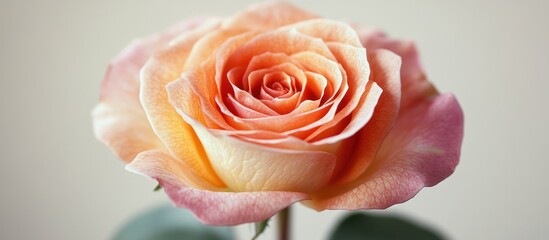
[57,182]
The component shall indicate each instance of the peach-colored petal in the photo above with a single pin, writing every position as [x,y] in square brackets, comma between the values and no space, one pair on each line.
[332,76]
[206,47]
[267,80]
[344,126]
[415,86]
[316,88]
[246,99]
[245,166]
[277,85]
[283,105]
[354,61]
[422,150]
[328,31]
[288,123]
[193,94]
[241,110]
[214,208]
[165,66]
[225,51]
[277,41]
[384,66]
[274,62]
[119,120]
[267,15]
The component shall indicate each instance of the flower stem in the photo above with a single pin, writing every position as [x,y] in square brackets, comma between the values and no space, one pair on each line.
[284,224]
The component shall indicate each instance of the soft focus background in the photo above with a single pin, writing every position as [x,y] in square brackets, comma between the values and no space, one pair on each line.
[58,182]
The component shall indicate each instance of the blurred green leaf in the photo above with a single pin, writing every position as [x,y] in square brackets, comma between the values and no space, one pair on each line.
[260,227]
[169,223]
[157,188]
[362,226]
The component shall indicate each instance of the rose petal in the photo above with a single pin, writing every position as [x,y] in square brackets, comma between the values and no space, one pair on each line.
[422,150]
[328,31]
[245,166]
[246,99]
[165,66]
[354,61]
[277,85]
[267,15]
[119,120]
[225,51]
[207,45]
[344,126]
[283,105]
[415,86]
[268,60]
[124,129]
[329,85]
[159,161]
[384,66]
[242,110]
[213,208]
[278,41]
[289,123]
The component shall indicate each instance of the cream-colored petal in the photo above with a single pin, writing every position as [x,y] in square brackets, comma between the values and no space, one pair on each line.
[245,166]
[124,129]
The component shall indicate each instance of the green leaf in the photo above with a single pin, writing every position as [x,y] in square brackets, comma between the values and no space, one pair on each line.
[169,223]
[157,188]
[260,227]
[361,226]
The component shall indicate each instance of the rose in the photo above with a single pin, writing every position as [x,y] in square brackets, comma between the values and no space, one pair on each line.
[241,117]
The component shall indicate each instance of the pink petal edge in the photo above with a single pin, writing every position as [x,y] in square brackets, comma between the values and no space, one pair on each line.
[119,120]
[217,208]
[422,150]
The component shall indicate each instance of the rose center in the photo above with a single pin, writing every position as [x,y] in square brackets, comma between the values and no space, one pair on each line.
[277,85]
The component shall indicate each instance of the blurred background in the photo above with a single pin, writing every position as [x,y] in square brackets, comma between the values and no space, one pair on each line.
[58,182]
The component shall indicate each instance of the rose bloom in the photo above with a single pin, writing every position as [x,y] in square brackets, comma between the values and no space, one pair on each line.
[238,118]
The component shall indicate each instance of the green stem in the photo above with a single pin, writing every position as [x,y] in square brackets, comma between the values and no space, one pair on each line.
[284,224]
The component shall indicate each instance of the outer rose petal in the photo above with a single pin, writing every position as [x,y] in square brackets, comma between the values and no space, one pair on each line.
[214,208]
[111,121]
[119,120]
[422,150]
[415,86]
